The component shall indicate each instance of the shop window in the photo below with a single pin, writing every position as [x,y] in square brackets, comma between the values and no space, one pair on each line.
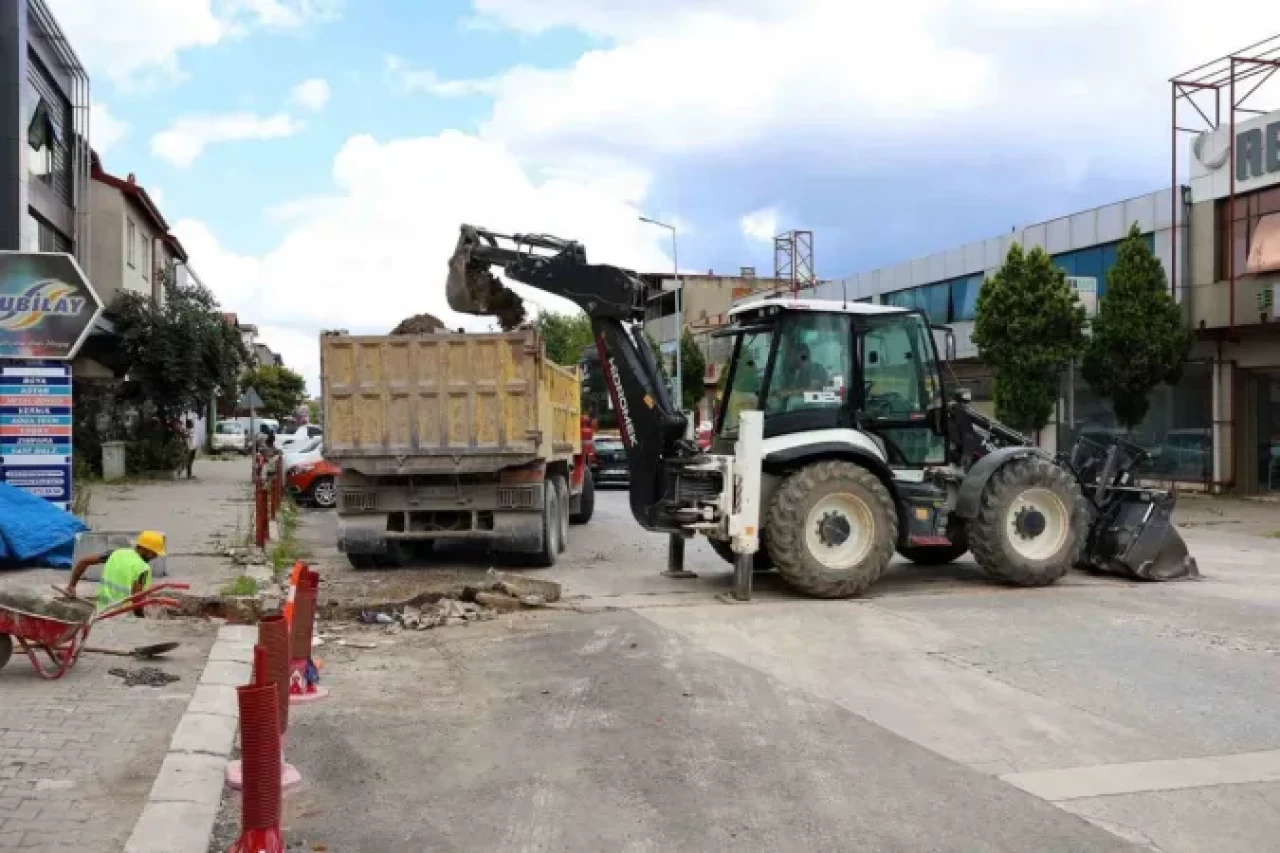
[964,297]
[1249,213]
[1177,431]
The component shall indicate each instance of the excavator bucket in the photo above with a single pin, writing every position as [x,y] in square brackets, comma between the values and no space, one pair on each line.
[1135,537]
[472,289]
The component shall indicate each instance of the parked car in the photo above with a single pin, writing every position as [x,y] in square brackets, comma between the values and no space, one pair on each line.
[229,436]
[312,451]
[609,462]
[314,481]
[286,441]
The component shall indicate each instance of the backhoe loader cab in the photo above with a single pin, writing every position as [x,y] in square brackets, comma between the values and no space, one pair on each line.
[862,454]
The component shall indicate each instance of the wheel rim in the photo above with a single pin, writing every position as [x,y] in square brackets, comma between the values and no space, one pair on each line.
[325,493]
[840,530]
[1037,522]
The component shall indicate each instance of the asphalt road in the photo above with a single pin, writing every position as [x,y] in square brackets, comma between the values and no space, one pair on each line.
[941,713]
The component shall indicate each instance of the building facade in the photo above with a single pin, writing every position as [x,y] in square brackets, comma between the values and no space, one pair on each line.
[1218,427]
[44,135]
[131,249]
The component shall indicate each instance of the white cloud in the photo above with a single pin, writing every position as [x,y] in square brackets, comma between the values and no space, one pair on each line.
[375,249]
[105,130]
[185,140]
[406,78]
[311,94]
[761,225]
[138,41]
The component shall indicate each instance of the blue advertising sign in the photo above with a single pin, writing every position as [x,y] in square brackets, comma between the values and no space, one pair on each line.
[35,429]
[47,305]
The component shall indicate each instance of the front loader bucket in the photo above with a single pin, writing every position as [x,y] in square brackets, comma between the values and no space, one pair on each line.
[472,289]
[1141,542]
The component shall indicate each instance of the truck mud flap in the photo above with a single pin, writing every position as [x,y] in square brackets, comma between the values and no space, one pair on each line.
[517,532]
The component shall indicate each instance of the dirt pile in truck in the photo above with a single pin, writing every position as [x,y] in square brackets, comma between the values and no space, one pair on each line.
[418,324]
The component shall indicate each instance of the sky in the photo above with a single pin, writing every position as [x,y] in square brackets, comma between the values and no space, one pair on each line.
[316,157]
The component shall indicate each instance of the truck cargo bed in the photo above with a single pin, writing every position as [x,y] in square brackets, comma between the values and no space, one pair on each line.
[445,402]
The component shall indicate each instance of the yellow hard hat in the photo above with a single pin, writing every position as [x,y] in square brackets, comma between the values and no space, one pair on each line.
[152,541]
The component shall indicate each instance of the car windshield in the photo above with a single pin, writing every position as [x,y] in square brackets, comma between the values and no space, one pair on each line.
[228,429]
[608,445]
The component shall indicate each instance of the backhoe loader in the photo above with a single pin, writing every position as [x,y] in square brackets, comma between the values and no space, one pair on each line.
[837,443]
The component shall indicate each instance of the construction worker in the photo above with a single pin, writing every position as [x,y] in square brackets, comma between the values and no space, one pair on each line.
[125,571]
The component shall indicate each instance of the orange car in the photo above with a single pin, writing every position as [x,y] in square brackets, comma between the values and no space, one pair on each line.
[315,482]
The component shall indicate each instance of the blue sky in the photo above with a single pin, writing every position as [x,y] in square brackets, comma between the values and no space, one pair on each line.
[889,130]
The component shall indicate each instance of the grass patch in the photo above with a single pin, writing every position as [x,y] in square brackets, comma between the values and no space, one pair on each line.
[286,550]
[241,587]
[1275,534]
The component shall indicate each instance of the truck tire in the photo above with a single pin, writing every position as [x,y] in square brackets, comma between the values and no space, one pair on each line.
[562,499]
[399,554]
[832,527]
[762,562]
[549,549]
[6,649]
[1031,523]
[361,561]
[586,500]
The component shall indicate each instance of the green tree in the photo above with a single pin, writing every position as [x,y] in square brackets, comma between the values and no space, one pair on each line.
[564,336]
[1028,326]
[692,368]
[282,391]
[1138,338]
[178,354]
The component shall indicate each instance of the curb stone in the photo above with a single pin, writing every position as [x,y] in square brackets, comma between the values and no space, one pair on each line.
[183,803]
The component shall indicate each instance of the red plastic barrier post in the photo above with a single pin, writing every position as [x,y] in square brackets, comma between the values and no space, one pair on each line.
[261,794]
[303,674]
[259,514]
[272,670]
[279,491]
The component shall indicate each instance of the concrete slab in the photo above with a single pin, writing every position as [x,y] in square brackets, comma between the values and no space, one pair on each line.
[189,778]
[1236,818]
[215,699]
[1105,780]
[212,734]
[172,828]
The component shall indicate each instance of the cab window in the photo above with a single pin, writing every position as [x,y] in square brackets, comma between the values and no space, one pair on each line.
[752,357]
[812,367]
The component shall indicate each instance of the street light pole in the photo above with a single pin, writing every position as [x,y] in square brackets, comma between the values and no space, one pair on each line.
[675,269]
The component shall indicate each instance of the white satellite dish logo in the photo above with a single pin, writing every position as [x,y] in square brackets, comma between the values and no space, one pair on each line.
[1209,160]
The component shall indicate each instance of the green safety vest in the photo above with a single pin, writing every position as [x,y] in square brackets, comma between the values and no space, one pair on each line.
[124,568]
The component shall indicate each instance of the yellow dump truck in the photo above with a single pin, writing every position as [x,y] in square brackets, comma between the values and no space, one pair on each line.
[452,436]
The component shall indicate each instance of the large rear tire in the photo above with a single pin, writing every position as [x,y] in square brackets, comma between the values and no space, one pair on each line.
[361,561]
[1031,523]
[562,507]
[6,649]
[586,500]
[549,550]
[832,527]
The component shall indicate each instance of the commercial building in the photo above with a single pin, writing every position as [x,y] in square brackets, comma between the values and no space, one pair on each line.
[1219,426]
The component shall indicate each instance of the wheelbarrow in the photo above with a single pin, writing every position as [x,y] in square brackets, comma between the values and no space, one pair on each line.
[61,627]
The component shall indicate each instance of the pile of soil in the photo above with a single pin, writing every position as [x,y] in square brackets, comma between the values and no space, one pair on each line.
[418,324]
[497,299]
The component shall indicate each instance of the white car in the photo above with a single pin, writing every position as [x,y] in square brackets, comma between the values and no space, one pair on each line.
[311,451]
[229,436]
[298,438]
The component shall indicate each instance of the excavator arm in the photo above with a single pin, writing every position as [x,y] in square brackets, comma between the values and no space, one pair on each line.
[653,429]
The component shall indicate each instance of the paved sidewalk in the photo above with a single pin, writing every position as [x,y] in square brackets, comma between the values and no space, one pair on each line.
[78,757]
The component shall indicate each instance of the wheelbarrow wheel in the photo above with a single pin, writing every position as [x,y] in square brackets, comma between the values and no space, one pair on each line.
[6,649]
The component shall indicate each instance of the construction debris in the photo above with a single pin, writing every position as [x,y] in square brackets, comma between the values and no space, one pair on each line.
[147,676]
[500,593]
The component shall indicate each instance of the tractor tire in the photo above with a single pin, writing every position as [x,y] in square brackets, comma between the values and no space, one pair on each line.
[1031,525]
[832,527]
[6,649]
[762,563]
[586,500]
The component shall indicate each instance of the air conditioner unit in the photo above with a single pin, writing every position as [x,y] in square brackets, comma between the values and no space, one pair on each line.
[1086,290]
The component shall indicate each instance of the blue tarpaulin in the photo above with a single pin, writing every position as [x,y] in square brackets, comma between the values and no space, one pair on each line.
[34,532]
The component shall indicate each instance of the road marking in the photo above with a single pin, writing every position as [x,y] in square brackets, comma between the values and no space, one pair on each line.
[1106,780]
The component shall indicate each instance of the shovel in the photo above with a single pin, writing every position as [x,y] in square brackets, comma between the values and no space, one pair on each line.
[141,652]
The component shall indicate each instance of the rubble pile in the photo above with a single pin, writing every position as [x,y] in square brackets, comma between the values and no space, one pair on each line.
[499,593]
[418,324]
